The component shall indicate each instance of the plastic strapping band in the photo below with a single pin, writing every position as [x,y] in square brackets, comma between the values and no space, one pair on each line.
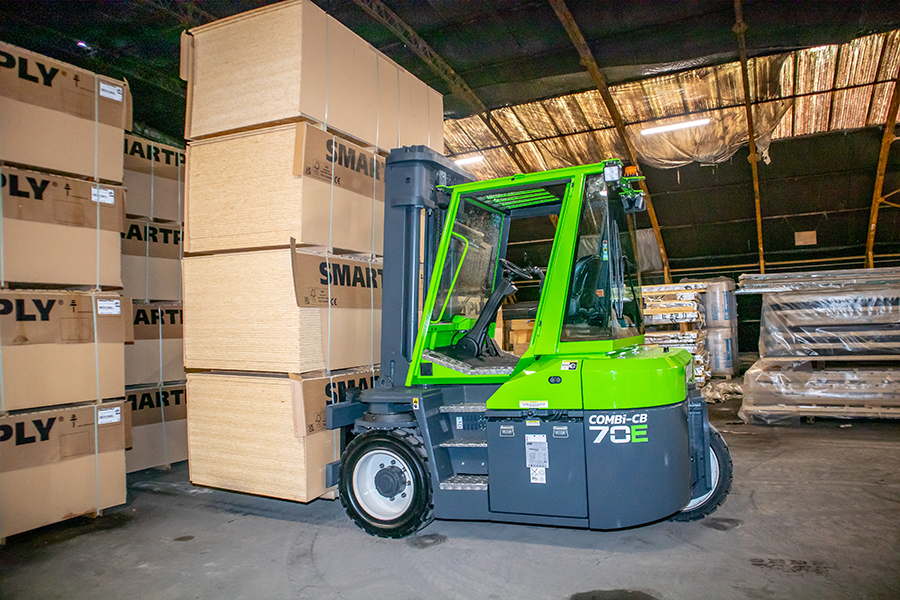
[162,404]
[94,298]
[179,161]
[328,252]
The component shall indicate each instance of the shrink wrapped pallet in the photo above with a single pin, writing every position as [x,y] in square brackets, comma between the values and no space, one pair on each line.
[157,354]
[154,176]
[158,426]
[290,61]
[778,391]
[51,233]
[151,260]
[51,114]
[719,303]
[49,352]
[281,311]
[864,321]
[242,437]
[260,188]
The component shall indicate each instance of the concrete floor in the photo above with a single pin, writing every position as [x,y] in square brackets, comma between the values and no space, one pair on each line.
[814,512]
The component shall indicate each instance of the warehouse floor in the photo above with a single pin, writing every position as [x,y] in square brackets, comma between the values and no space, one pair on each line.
[814,512]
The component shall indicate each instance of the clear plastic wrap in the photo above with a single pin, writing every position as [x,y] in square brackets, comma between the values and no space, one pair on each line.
[755,283]
[862,322]
[781,392]
[720,391]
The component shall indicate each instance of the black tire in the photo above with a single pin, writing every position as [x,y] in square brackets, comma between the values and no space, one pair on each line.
[381,468]
[722,484]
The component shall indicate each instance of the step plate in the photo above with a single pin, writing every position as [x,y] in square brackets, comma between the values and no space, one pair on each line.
[464,408]
[464,444]
[469,483]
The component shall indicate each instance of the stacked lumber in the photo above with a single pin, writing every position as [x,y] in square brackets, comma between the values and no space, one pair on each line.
[676,315]
[289,116]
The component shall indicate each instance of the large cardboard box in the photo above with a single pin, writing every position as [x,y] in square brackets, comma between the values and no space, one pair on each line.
[289,61]
[261,188]
[48,349]
[281,311]
[241,437]
[151,260]
[154,175]
[49,470]
[51,113]
[157,354]
[51,233]
[158,426]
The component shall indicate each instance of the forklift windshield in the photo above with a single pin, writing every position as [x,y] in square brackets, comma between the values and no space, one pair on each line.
[604,292]
[470,268]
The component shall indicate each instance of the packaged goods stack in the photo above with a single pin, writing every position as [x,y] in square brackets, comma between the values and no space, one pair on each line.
[151,275]
[675,315]
[289,116]
[829,346]
[721,327]
[63,325]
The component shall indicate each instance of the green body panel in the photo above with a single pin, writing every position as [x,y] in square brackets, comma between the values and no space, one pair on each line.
[638,377]
[530,388]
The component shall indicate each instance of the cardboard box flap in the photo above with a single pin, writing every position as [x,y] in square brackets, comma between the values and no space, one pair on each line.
[43,198]
[158,320]
[187,56]
[329,280]
[44,437]
[331,159]
[128,319]
[152,158]
[156,404]
[312,392]
[37,317]
[141,237]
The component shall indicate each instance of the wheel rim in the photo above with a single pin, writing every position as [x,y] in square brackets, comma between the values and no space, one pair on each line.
[376,476]
[714,481]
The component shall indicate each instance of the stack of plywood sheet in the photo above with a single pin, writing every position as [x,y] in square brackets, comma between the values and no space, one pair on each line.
[61,366]
[681,305]
[289,116]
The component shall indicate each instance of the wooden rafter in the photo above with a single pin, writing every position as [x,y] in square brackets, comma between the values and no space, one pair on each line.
[877,198]
[587,59]
[381,13]
[739,28]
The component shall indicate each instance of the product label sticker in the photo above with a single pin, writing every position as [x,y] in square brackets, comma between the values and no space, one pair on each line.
[415,404]
[109,307]
[538,475]
[459,422]
[569,365]
[109,415]
[534,404]
[103,195]
[532,423]
[113,92]
[537,454]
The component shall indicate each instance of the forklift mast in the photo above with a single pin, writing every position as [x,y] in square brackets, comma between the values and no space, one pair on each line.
[415,203]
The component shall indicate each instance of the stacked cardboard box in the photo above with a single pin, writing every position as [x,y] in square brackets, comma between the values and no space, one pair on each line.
[61,426]
[289,114]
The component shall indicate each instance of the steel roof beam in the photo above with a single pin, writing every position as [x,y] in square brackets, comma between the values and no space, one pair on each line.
[384,15]
[739,28]
[587,59]
[877,199]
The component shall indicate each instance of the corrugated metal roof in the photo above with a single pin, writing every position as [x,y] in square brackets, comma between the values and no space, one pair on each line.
[809,91]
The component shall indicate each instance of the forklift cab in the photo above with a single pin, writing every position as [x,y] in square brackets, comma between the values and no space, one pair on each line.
[590,293]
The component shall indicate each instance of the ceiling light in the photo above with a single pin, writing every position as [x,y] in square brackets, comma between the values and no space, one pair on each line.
[470,160]
[674,126]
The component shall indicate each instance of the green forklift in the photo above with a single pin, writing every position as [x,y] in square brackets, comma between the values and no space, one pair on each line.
[588,428]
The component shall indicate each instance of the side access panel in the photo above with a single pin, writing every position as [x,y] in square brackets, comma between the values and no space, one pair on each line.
[638,464]
[537,467]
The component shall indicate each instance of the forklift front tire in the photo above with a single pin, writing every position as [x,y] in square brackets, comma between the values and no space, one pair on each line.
[385,485]
[721,473]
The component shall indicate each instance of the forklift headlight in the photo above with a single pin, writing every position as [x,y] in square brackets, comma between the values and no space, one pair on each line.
[612,173]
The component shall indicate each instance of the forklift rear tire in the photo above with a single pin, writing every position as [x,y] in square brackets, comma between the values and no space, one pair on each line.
[721,473]
[385,485]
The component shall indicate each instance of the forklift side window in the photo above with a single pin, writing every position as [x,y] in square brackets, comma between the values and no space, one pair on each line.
[588,304]
[469,270]
[625,291]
